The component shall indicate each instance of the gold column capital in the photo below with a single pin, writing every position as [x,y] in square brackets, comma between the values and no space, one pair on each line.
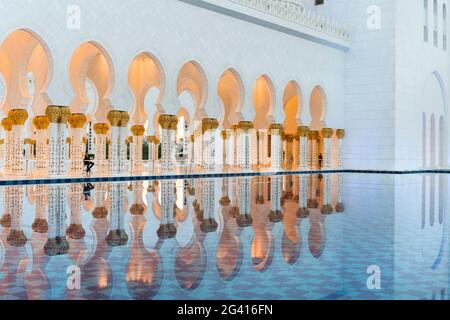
[303,131]
[69,140]
[313,135]
[41,122]
[101,128]
[234,127]
[226,134]
[168,121]
[57,114]
[327,133]
[245,125]
[77,120]
[2,142]
[153,139]
[115,118]
[7,124]
[125,119]
[289,138]
[276,126]
[138,130]
[18,116]
[340,133]
[209,124]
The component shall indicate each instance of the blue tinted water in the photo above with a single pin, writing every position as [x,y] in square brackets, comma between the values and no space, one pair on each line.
[233,238]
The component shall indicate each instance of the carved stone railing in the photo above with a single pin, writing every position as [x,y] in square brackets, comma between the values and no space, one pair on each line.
[298,14]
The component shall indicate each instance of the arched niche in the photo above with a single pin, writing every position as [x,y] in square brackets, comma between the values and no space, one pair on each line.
[263,101]
[146,80]
[230,90]
[192,79]
[92,76]
[318,108]
[293,107]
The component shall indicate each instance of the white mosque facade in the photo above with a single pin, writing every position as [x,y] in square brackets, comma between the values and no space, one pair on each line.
[237,84]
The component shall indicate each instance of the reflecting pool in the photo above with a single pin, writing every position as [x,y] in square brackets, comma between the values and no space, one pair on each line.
[342,236]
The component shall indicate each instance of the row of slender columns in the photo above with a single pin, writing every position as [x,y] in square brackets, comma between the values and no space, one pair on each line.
[300,150]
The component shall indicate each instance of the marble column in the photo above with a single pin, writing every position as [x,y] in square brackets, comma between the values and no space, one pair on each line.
[77,148]
[18,118]
[289,149]
[41,123]
[296,150]
[327,134]
[2,152]
[101,163]
[138,141]
[235,140]
[168,125]
[209,128]
[153,143]
[304,156]
[244,145]
[7,127]
[276,130]
[118,121]
[227,147]
[314,135]
[58,117]
[340,133]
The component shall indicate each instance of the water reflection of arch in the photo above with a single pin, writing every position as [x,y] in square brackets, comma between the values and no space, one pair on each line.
[191,261]
[434,219]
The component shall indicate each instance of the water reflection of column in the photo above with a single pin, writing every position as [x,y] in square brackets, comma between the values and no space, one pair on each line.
[244,144]
[7,128]
[260,190]
[117,235]
[167,228]
[101,131]
[75,229]
[168,125]
[138,208]
[244,186]
[5,221]
[41,124]
[18,118]
[303,210]
[16,235]
[138,140]
[276,213]
[57,202]
[225,199]
[326,207]
[340,207]
[209,223]
[312,201]
[100,211]
[40,224]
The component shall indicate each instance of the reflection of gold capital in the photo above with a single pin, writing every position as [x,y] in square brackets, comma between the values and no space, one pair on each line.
[225,201]
[7,124]
[77,120]
[245,125]
[327,133]
[41,122]
[340,133]
[137,130]
[209,124]
[167,121]
[114,118]
[101,128]
[18,116]
[303,131]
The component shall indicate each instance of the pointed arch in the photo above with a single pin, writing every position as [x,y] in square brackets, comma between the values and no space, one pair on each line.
[231,92]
